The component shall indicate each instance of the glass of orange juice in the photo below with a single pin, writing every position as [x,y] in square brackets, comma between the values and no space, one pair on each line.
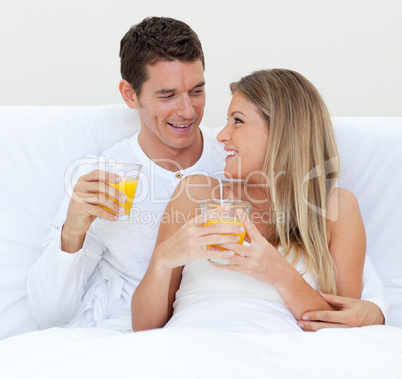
[225,217]
[129,173]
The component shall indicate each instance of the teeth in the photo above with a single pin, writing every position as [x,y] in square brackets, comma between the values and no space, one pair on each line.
[231,152]
[180,126]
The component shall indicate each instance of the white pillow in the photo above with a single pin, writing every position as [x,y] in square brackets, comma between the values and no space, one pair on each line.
[370,149]
[37,144]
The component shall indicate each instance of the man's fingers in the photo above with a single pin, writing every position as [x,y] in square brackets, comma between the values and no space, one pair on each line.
[98,211]
[97,193]
[105,214]
[337,301]
[324,316]
[311,326]
[101,176]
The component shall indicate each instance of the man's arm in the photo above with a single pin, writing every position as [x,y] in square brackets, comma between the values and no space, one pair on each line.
[370,310]
[71,252]
[56,280]
[92,197]
[349,313]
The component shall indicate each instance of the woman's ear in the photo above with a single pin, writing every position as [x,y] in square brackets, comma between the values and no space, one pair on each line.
[128,94]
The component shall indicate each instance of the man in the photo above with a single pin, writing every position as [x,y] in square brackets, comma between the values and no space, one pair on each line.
[91,264]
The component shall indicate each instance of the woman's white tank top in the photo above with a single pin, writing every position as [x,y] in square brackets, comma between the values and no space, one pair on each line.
[216,298]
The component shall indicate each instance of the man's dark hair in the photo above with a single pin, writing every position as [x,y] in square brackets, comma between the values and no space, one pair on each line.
[153,39]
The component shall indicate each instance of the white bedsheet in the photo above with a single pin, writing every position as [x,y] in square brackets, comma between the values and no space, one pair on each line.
[369,352]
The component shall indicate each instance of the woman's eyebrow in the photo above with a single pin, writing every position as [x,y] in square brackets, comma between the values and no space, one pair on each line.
[235,112]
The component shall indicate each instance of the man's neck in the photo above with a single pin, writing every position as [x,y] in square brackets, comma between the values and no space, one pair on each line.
[170,158]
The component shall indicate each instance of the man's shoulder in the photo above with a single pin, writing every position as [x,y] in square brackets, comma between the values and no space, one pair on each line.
[210,141]
[210,132]
[119,148]
[213,155]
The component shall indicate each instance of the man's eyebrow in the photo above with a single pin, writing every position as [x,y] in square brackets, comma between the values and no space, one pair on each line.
[164,91]
[201,84]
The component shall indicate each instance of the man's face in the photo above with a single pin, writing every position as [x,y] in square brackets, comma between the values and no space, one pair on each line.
[171,105]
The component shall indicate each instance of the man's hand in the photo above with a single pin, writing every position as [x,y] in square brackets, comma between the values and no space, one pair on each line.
[348,313]
[92,197]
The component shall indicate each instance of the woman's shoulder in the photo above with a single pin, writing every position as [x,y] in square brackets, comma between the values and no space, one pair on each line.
[341,202]
[199,187]
[343,211]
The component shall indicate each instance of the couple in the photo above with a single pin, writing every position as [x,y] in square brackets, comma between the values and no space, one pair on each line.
[91,265]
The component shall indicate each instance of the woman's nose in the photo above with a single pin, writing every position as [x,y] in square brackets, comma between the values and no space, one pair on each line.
[224,134]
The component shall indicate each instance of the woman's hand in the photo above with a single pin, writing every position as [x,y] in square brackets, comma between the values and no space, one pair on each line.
[187,243]
[152,302]
[265,263]
[260,259]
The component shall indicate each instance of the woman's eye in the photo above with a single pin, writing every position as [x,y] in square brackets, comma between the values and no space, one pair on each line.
[238,121]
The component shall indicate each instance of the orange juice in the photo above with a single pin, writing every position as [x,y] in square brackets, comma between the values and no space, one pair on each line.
[227,220]
[128,186]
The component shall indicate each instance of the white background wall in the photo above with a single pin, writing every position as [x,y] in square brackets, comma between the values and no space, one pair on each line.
[66,52]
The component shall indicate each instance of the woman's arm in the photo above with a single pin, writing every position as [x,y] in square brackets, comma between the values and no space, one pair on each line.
[264,262]
[152,301]
[181,239]
[346,244]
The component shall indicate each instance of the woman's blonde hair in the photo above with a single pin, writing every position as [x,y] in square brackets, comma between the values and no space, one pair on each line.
[301,163]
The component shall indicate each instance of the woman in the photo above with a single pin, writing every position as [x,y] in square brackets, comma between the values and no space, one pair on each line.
[280,142]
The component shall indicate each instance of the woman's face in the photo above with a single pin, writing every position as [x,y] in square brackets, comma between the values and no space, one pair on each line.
[246,139]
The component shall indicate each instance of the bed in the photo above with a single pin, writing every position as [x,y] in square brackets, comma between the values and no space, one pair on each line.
[39,144]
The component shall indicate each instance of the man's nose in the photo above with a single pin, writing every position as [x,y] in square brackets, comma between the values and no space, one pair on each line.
[185,108]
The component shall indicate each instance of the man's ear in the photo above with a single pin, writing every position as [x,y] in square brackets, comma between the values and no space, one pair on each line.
[128,94]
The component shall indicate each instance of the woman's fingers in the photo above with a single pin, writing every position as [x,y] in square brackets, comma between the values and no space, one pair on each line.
[237,248]
[219,254]
[222,229]
[218,239]
[212,214]
[251,229]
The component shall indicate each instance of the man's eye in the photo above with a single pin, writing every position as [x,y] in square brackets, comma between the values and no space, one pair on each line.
[197,91]
[166,97]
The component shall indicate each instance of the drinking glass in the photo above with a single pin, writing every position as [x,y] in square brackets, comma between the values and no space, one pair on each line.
[128,173]
[225,217]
